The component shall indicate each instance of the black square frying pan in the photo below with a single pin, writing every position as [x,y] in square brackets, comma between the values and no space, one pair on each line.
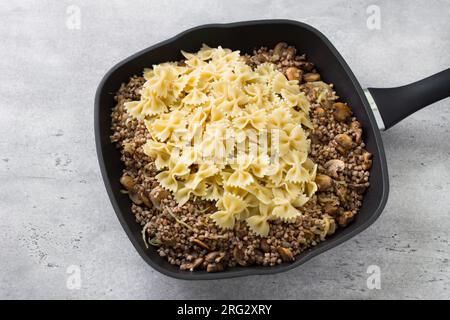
[375,109]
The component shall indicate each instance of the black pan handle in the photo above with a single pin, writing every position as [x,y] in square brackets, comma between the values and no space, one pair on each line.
[395,104]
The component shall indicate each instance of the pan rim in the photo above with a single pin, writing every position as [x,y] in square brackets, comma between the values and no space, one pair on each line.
[255,270]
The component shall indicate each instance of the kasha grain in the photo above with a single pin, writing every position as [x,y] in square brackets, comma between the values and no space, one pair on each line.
[186,237]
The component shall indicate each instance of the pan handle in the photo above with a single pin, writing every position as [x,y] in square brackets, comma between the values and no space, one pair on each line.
[395,104]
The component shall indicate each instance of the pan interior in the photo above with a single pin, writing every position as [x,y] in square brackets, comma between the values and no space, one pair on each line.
[244,36]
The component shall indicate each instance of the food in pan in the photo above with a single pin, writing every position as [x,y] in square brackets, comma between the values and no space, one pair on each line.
[237,159]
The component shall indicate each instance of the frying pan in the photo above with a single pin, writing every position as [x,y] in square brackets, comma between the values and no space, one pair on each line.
[375,109]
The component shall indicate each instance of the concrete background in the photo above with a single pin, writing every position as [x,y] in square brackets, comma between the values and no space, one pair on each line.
[54,209]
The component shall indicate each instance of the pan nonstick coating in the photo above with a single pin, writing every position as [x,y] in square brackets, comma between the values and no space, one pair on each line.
[244,36]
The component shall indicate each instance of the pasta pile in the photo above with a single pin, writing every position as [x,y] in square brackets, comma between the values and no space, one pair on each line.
[221,131]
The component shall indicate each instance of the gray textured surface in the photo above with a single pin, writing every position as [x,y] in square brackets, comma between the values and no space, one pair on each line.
[54,208]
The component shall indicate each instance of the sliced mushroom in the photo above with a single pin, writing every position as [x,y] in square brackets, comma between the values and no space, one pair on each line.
[323,182]
[319,111]
[356,127]
[127,182]
[293,73]
[367,161]
[341,192]
[220,258]
[345,218]
[185,266]
[344,140]
[290,52]
[211,257]
[341,112]
[157,195]
[197,263]
[330,209]
[307,66]
[264,245]
[367,165]
[285,254]
[358,135]
[214,267]
[360,188]
[239,256]
[279,49]
[145,200]
[334,166]
[135,196]
[310,77]
[332,226]
[328,199]
[193,265]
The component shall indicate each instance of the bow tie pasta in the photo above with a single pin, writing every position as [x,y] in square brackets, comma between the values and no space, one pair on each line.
[221,131]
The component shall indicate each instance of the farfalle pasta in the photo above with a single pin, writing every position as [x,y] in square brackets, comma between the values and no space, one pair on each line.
[222,131]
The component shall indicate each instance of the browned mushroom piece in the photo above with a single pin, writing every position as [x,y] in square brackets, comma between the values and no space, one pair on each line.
[197,263]
[191,266]
[341,192]
[135,196]
[330,209]
[211,257]
[345,218]
[239,256]
[145,199]
[359,188]
[341,112]
[214,267]
[265,247]
[334,166]
[127,182]
[277,51]
[356,127]
[323,182]
[285,254]
[221,258]
[319,111]
[293,73]
[344,140]
[157,195]
[367,161]
[311,77]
